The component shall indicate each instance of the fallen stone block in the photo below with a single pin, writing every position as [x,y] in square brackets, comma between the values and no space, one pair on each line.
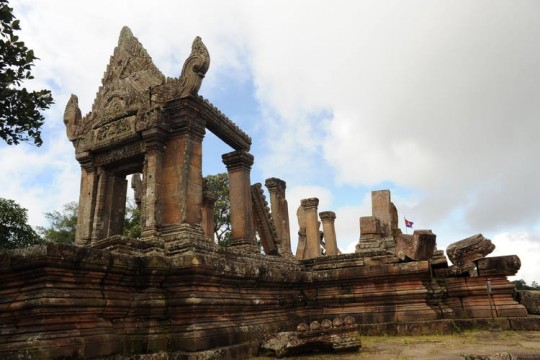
[325,336]
[498,265]
[530,299]
[497,356]
[418,246]
[470,249]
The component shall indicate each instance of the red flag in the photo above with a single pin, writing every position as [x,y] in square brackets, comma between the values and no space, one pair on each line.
[408,223]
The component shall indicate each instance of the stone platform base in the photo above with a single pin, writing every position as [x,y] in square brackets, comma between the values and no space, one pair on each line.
[240,351]
[450,326]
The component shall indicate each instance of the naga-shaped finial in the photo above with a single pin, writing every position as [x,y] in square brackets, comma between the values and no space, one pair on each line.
[72,117]
[194,69]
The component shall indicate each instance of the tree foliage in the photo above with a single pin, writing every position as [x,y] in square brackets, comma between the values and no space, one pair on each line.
[132,221]
[62,225]
[20,117]
[14,230]
[522,285]
[219,184]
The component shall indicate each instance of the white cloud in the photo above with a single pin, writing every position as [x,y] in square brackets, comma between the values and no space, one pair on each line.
[526,245]
[438,99]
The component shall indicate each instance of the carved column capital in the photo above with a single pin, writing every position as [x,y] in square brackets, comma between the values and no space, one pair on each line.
[85,159]
[209,198]
[310,203]
[183,117]
[327,215]
[238,160]
[154,138]
[275,184]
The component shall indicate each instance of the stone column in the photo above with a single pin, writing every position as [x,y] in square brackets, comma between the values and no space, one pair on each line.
[137,186]
[110,205]
[381,208]
[87,198]
[116,203]
[301,246]
[151,212]
[242,227]
[182,180]
[280,212]
[313,246]
[208,222]
[99,221]
[329,231]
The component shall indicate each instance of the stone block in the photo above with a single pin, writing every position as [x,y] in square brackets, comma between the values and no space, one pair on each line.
[319,337]
[498,265]
[470,249]
[419,246]
[370,225]
[531,300]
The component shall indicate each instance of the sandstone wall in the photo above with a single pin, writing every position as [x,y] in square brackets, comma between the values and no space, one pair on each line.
[66,301]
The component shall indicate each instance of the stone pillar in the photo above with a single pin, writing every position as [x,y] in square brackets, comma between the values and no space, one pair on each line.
[208,222]
[151,211]
[280,212]
[87,199]
[110,205]
[242,227]
[329,231]
[313,246]
[182,179]
[301,246]
[99,221]
[382,209]
[116,203]
[137,186]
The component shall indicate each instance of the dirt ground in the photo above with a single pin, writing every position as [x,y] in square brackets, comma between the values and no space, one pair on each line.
[520,344]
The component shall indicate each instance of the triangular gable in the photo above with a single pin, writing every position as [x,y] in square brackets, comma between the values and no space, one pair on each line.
[126,82]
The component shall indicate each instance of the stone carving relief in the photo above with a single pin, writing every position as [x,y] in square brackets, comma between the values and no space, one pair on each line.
[72,117]
[194,69]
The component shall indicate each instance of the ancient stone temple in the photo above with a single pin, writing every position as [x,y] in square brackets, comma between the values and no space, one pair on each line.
[176,292]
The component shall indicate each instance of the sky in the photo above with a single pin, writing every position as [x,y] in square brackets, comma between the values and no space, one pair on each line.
[437,101]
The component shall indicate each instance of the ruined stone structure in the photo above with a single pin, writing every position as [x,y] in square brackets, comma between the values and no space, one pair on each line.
[174,290]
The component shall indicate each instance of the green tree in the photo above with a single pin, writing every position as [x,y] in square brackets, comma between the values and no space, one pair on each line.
[14,230]
[219,185]
[132,221]
[20,117]
[522,285]
[62,224]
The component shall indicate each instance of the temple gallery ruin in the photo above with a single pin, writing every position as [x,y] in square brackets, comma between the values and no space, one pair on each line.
[176,292]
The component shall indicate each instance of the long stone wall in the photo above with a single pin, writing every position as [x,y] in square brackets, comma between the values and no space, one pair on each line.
[61,300]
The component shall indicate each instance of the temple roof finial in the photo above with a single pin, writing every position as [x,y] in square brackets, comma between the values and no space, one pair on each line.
[125,35]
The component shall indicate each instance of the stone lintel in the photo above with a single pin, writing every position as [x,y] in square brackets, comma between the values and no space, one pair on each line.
[275,184]
[236,160]
[310,203]
[221,126]
[327,215]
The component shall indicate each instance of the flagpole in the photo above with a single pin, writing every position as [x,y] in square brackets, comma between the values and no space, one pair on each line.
[405,222]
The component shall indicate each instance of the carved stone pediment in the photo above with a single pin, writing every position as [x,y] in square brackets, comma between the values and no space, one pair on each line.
[126,83]
[135,97]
